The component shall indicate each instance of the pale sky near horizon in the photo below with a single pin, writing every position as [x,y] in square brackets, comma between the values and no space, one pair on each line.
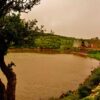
[73,18]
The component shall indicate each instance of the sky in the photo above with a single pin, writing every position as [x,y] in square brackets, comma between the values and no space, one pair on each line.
[72,18]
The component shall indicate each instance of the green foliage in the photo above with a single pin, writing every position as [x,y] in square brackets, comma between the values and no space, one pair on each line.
[53,42]
[49,42]
[97,97]
[11,26]
[7,6]
[85,89]
[26,34]
[18,32]
[94,54]
[92,81]
[21,34]
[71,97]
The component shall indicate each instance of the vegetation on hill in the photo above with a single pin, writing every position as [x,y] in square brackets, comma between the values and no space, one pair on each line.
[26,34]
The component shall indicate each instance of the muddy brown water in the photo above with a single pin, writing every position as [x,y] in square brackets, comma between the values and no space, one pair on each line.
[41,76]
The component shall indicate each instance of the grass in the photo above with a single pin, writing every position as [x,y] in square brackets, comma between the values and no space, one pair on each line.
[94,54]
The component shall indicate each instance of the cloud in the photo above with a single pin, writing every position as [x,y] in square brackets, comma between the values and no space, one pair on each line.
[77,18]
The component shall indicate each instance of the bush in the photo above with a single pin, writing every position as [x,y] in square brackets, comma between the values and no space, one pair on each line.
[84,91]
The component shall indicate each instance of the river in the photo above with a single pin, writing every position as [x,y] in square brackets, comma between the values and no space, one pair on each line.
[41,76]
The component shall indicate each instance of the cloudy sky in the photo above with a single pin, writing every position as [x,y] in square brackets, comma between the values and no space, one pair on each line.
[74,18]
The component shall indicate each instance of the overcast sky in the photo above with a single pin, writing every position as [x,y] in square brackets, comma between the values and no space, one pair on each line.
[74,18]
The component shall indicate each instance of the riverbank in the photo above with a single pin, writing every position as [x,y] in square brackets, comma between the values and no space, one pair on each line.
[45,51]
[83,53]
[90,88]
[33,50]
[94,54]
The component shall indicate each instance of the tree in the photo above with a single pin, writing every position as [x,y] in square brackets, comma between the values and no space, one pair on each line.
[8,6]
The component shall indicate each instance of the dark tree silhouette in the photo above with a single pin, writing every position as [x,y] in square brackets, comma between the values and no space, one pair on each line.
[7,6]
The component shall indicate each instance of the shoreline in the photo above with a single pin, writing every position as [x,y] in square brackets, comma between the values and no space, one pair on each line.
[47,51]
[79,52]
